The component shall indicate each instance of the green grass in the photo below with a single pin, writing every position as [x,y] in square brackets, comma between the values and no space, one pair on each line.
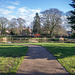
[11,57]
[64,52]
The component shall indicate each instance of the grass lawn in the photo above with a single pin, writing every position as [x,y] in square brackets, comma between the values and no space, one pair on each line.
[11,57]
[64,52]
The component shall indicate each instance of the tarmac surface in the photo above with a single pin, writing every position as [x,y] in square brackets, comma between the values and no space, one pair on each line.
[39,61]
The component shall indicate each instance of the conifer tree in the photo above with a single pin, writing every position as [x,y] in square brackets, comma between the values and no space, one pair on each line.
[72,17]
[36,24]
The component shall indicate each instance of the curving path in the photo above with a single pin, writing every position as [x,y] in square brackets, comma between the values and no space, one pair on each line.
[39,61]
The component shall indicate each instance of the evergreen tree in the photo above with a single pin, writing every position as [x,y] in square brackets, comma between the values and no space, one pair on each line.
[36,24]
[0,29]
[72,17]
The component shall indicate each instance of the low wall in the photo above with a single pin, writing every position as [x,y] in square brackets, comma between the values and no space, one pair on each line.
[36,40]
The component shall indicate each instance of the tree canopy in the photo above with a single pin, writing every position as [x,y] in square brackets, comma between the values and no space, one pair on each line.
[52,21]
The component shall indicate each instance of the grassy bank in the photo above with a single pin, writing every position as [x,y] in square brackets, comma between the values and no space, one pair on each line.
[10,58]
[64,52]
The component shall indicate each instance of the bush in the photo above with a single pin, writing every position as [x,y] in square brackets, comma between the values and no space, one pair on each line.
[73,35]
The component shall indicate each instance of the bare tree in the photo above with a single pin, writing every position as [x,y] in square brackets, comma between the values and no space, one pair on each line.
[13,26]
[51,20]
[3,23]
[13,23]
[16,26]
[21,23]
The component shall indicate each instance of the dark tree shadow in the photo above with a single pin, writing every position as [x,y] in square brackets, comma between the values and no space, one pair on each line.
[18,52]
[12,51]
[61,51]
[34,73]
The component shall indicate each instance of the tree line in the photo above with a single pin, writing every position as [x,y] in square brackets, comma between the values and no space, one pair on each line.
[15,25]
[48,22]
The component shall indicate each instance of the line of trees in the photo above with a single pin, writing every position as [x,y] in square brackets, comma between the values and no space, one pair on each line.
[49,22]
[15,25]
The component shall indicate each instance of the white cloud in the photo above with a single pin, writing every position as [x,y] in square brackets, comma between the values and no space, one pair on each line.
[11,7]
[14,3]
[9,17]
[5,11]
[64,17]
[28,14]
[35,10]
[22,10]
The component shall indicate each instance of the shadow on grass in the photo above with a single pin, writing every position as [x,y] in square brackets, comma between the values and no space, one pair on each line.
[34,73]
[61,52]
[12,50]
[18,51]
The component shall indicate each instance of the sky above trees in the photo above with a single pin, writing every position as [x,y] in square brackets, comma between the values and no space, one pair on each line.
[26,9]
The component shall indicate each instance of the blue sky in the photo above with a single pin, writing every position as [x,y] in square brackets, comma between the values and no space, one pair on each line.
[26,9]
[62,5]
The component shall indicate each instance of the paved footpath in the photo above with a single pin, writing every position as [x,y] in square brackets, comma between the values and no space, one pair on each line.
[39,61]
